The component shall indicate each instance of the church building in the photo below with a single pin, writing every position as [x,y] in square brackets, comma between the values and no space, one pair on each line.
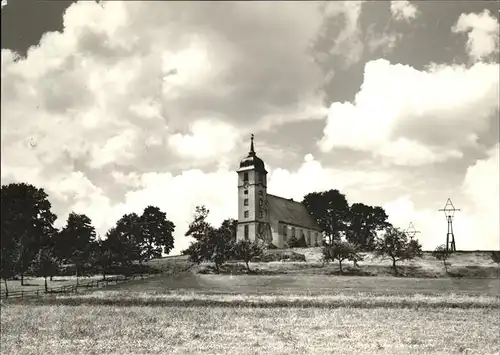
[268,217]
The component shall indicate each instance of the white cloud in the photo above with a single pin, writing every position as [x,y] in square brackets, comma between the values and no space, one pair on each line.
[347,43]
[405,115]
[482,32]
[403,10]
[209,139]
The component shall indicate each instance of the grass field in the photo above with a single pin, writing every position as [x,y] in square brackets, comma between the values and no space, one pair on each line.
[218,330]
[293,312]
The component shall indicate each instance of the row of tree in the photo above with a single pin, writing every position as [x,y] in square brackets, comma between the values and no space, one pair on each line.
[358,224]
[30,244]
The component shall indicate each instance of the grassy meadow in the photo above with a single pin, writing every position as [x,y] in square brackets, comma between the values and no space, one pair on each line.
[58,329]
[295,309]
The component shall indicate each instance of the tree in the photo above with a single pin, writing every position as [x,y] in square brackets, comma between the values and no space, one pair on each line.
[246,250]
[127,239]
[330,210]
[396,245]
[8,262]
[199,226]
[442,253]
[211,244]
[102,255]
[156,234]
[363,224]
[340,251]
[45,264]
[229,226]
[75,241]
[26,223]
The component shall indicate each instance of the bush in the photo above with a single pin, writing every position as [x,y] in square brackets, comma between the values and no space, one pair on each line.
[287,255]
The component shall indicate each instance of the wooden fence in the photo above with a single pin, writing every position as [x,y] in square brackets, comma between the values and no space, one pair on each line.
[69,288]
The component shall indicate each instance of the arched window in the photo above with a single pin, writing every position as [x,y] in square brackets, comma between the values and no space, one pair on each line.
[246,231]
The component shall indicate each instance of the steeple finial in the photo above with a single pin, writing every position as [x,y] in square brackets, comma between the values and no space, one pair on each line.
[252,151]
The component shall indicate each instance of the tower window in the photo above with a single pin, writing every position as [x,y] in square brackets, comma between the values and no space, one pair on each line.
[261,178]
[246,231]
[245,214]
[245,176]
[245,192]
[245,202]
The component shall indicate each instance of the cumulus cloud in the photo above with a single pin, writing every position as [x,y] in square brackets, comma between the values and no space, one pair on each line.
[404,115]
[101,93]
[482,33]
[403,10]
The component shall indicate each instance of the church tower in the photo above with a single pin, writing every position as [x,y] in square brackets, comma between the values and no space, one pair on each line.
[252,198]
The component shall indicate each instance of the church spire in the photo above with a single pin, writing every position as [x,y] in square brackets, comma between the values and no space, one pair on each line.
[252,151]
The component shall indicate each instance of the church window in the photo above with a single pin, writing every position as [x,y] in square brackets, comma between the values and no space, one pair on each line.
[245,192]
[293,232]
[246,231]
[245,176]
[246,214]
[285,231]
[245,202]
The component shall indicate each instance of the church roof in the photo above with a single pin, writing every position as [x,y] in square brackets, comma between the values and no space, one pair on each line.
[290,212]
[253,160]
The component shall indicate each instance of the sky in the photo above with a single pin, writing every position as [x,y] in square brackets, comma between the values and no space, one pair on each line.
[114,106]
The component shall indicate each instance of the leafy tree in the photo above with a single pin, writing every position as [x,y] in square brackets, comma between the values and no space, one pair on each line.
[45,264]
[396,245]
[212,244]
[441,253]
[363,224]
[246,250]
[341,250]
[230,226]
[127,239]
[199,227]
[8,260]
[330,210]
[156,234]
[75,241]
[102,255]
[26,223]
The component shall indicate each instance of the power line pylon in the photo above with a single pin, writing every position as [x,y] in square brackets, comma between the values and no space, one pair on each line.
[449,212]
[411,231]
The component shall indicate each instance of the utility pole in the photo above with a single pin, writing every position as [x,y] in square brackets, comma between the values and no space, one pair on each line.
[449,212]
[411,231]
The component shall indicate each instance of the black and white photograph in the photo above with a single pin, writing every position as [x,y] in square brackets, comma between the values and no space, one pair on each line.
[250,177]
